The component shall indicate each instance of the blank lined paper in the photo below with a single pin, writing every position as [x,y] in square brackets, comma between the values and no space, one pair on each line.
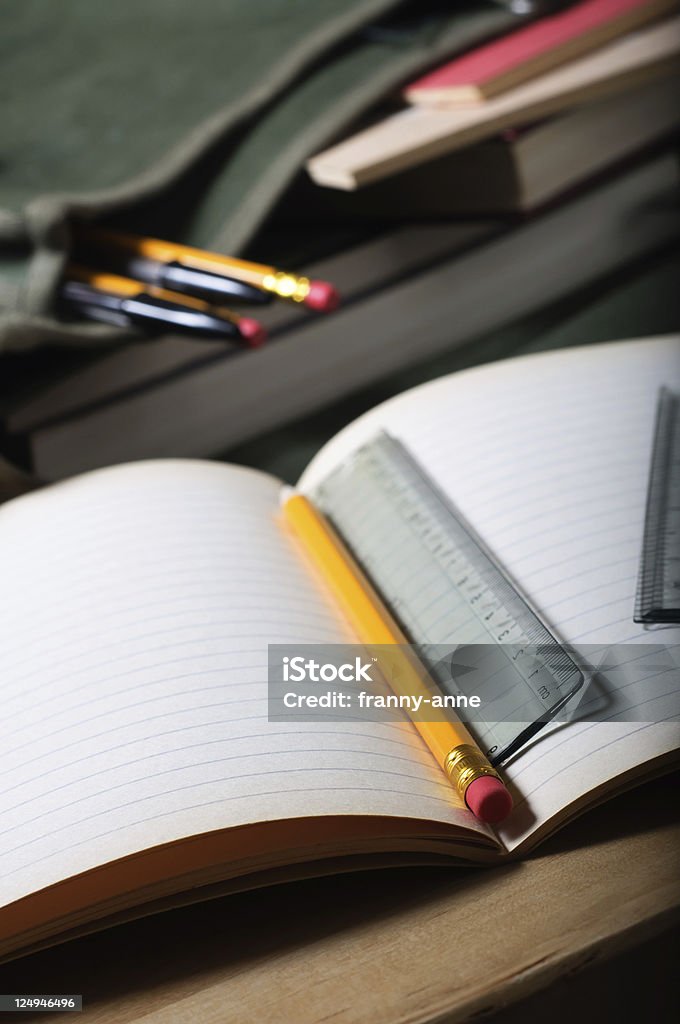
[138,602]
[548,457]
[137,605]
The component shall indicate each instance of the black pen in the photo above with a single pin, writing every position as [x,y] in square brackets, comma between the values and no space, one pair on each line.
[125,302]
[201,283]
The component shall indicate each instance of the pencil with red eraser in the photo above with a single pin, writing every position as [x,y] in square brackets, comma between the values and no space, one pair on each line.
[477,783]
[114,299]
[212,275]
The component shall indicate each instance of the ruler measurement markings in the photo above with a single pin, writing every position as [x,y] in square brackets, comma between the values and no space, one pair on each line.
[403,513]
[658,597]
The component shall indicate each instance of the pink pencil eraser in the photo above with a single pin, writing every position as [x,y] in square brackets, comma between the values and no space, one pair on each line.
[322,296]
[252,331]
[488,799]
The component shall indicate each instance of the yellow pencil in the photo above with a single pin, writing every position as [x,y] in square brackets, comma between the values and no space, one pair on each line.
[159,304]
[317,295]
[454,749]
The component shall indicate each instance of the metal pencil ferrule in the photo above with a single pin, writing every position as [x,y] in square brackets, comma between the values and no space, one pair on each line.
[464,764]
[287,286]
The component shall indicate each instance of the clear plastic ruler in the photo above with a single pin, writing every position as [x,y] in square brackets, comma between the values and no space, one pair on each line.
[658,598]
[474,630]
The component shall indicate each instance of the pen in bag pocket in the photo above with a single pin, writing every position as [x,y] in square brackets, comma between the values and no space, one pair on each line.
[125,302]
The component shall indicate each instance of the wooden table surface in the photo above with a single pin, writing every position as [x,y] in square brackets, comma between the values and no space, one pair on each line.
[389,947]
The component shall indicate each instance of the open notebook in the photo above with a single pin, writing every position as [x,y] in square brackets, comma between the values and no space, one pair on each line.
[139,768]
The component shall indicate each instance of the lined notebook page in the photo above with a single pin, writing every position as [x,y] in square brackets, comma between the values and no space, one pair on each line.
[548,457]
[137,605]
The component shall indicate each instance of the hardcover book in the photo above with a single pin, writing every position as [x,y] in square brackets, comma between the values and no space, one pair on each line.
[534,49]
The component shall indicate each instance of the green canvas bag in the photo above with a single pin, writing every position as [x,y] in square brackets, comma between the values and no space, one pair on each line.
[183,121]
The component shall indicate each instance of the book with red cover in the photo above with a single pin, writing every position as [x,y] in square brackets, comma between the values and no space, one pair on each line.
[505,63]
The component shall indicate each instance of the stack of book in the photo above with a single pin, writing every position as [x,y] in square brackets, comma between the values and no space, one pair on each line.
[519,121]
